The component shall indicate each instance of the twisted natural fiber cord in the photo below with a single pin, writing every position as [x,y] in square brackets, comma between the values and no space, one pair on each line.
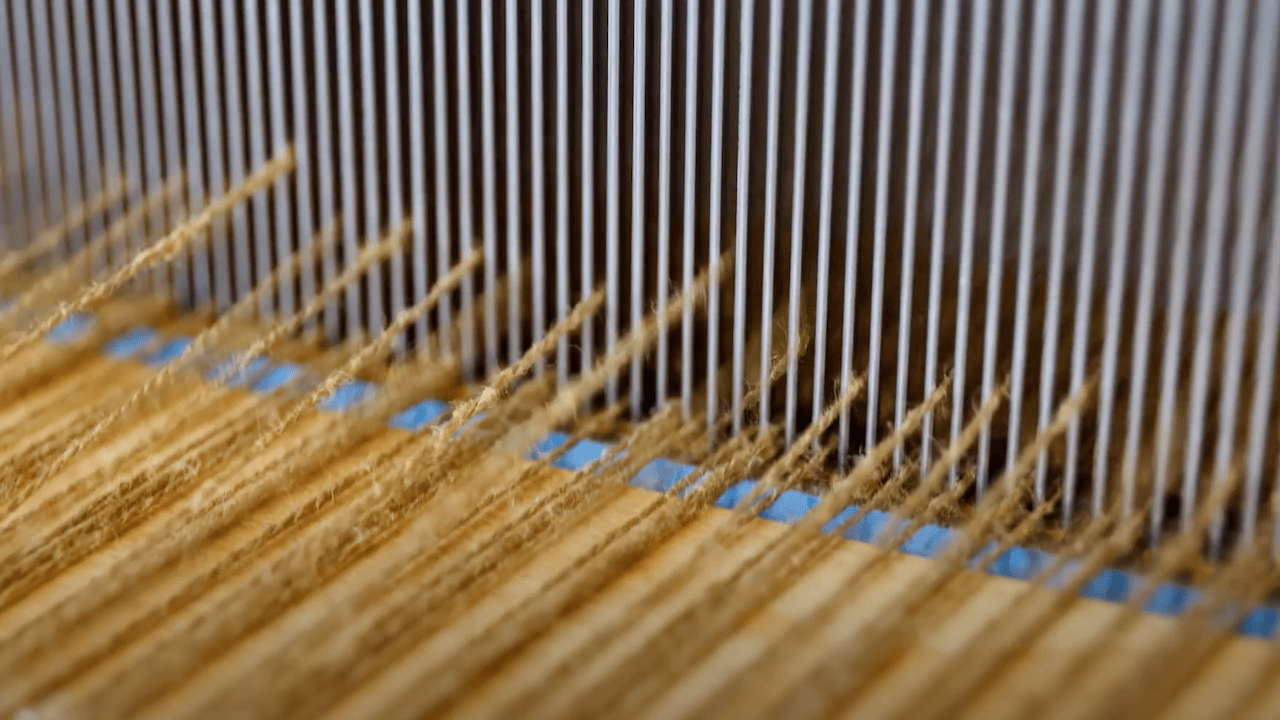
[68,276]
[48,240]
[164,249]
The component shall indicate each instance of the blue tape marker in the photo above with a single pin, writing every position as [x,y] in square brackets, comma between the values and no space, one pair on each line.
[548,445]
[789,507]
[469,424]
[1111,585]
[420,415]
[840,519]
[71,329]
[926,541]
[731,497]
[222,371]
[581,455]
[131,343]
[278,377]
[866,529]
[1260,623]
[1170,599]
[348,396]
[660,475]
[169,352]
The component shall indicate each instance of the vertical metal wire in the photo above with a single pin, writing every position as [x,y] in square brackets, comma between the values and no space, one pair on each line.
[302,145]
[1136,53]
[804,48]
[201,290]
[256,95]
[1040,42]
[47,105]
[444,216]
[1249,249]
[1213,244]
[213,91]
[563,288]
[884,136]
[489,195]
[326,184]
[466,212]
[915,128]
[1011,34]
[131,147]
[856,126]
[665,181]
[417,74]
[1189,179]
[515,298]
[538,140]
[1072,60]
[1159,151]
[11,150]
[34,169]
[279,140]
[72,177]
[395,203]
[372,168]
[1095,147]
[153,128]
[1259,427]
[347,162]
[937,233]
[235,134]
[613,190]
[769,247]
[972,148]
[715,219]
[690,198]
[826,198]
[175,160]
[740,266]
[588,197]
[639,41]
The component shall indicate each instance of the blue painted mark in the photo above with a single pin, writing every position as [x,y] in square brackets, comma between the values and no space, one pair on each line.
[225,372]
[279,376]
[1170,599]
[581,455]
[475,420]
[420,415]
[1260,623]
[71,329]
[789,507]
[1112,585]
[731,497]
[548,445]
[928,541]
[1019,563]
[869,527]
[169,352]
[660,475]
[348,396]
[131,343]
[689,486]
